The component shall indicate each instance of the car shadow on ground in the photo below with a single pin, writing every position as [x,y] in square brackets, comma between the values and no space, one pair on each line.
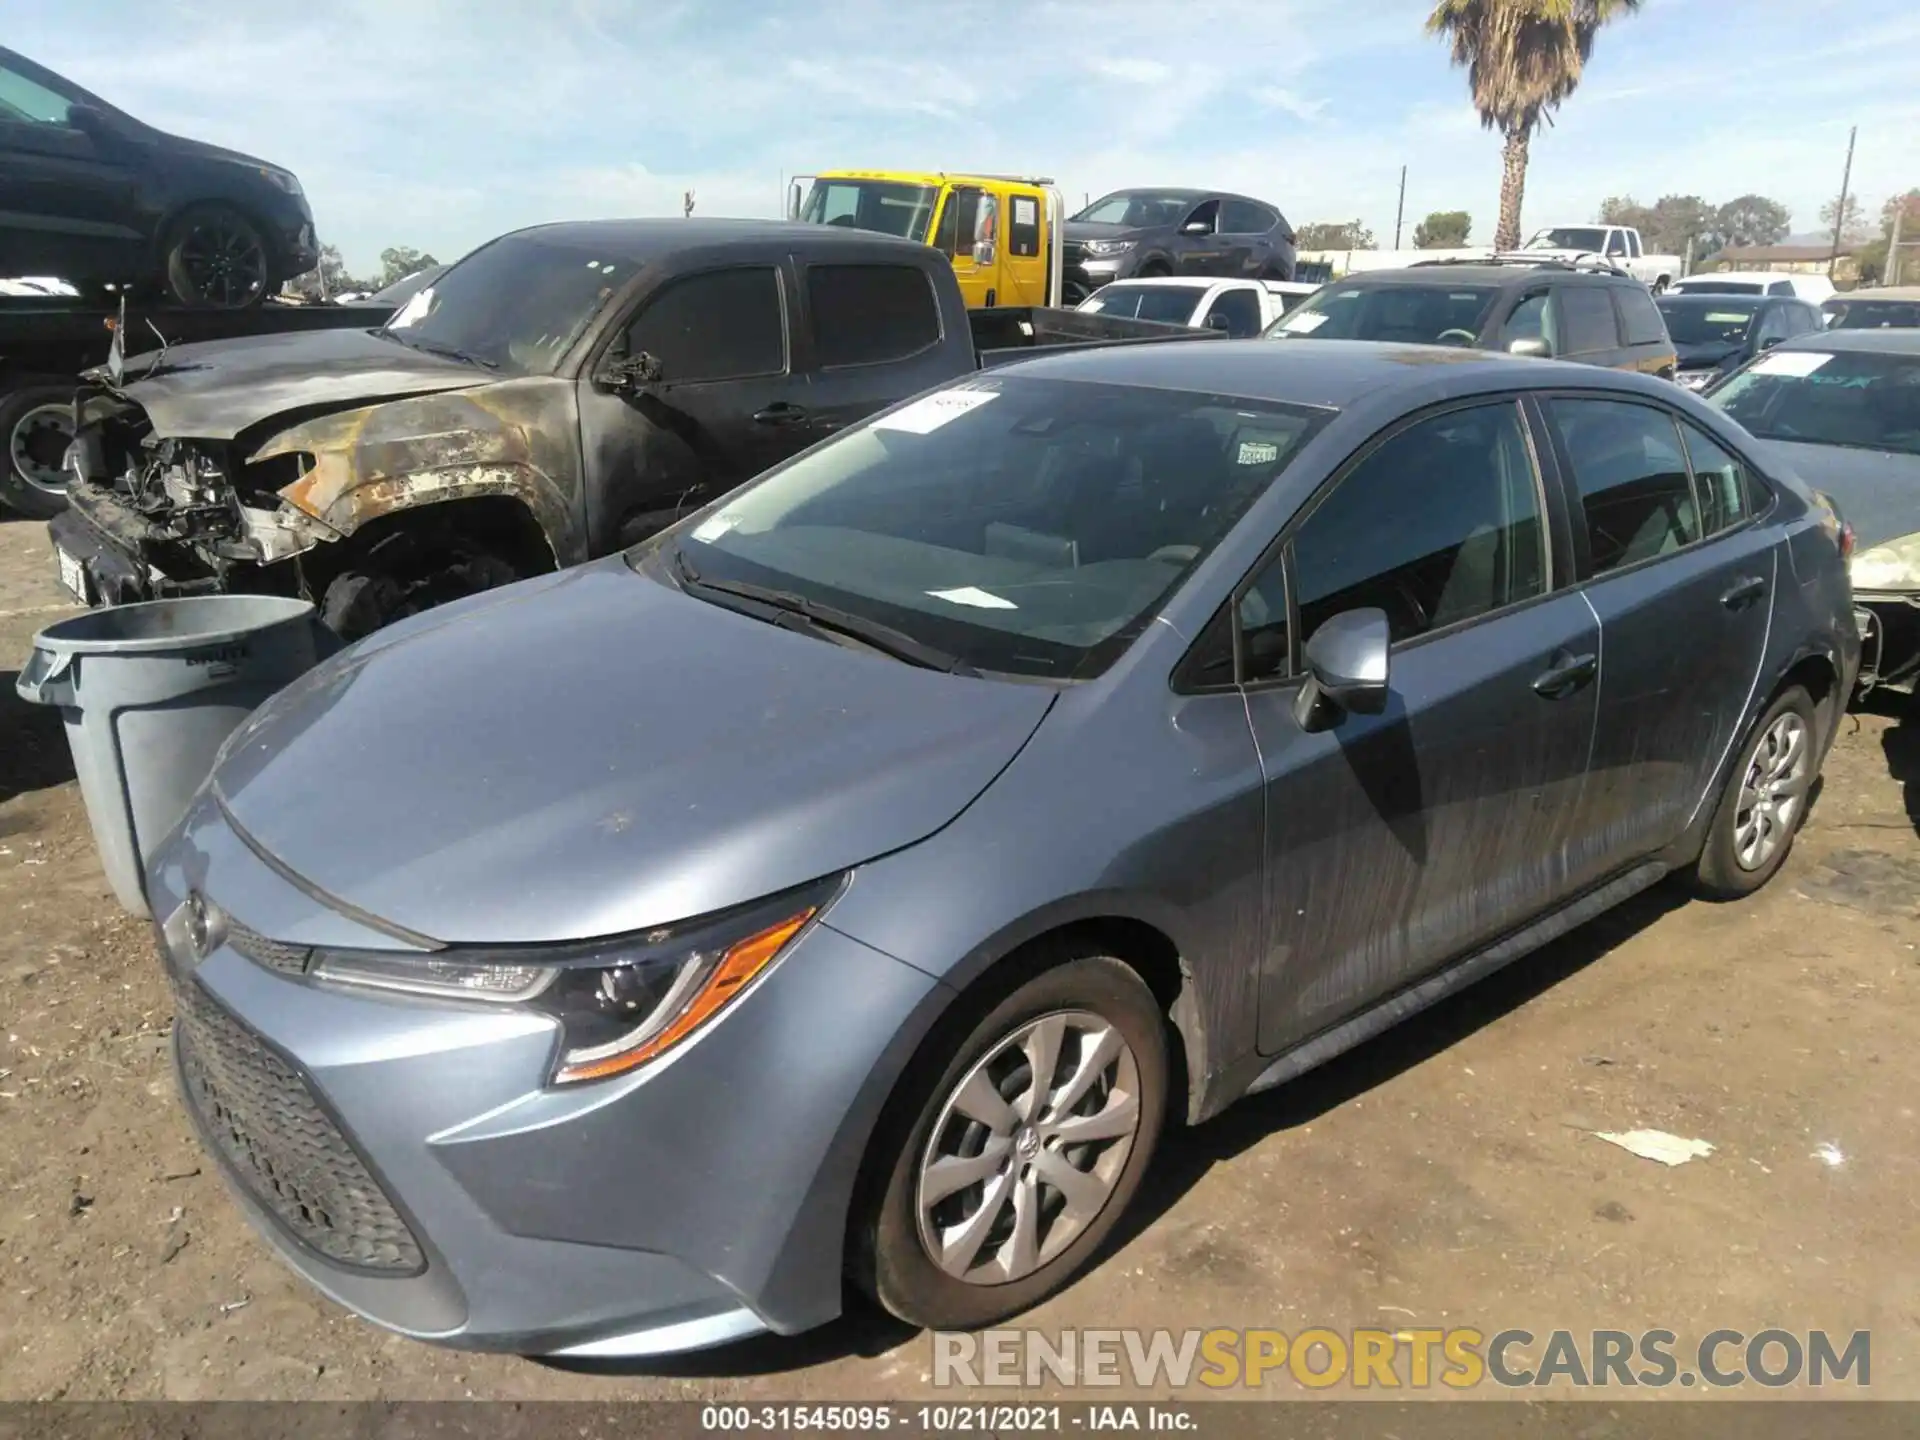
[1901,745]
[34,754]
[1186,1155]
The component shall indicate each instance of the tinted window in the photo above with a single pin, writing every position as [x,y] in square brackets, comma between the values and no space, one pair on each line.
[1826,398]
[865,314]
[1873,314]
[1723,483]
[1805,318]
[1243,217]
[1632,478]
[1170,303]
[1704,321]
[1408,314]
[1025,525]
[1780,287]
[26,100]
[1528,321]
[1586,320]
[1138,209]
[885,206]
[1640,322]
[1241,309]
[1773,325]
[1438,525]
[1206,213]
[723,325]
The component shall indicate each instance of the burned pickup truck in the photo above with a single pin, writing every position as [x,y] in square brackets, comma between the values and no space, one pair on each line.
[562,392]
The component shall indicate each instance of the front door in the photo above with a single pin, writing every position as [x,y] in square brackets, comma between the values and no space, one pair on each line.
[1683,586]
[1399,841]
[968,232]
[726,406]
[1198,250]
[66,191]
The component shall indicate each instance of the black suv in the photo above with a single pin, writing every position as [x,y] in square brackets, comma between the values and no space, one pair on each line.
[92,195]
[1595,315]
[1135,233]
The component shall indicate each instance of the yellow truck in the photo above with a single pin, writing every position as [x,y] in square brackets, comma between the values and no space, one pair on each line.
[1000,231]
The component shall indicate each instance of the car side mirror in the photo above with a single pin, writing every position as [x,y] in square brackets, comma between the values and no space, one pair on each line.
[1534,345]
[90,120]
[1347,669]
[1767,342]
[1197,227]
[1220,323]
[628,374]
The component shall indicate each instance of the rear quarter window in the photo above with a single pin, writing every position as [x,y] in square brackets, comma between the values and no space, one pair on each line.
[1640,322]
[1587,321]
[871,314]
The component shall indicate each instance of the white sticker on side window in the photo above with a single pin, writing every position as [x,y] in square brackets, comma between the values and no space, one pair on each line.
[1258,452]
[974,596]
[1026,210]
[1793,362]
[926,415]
[1304,321]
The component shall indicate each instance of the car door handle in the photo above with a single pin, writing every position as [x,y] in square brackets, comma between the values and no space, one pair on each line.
[781,412]
[1744,591]
[1565,674]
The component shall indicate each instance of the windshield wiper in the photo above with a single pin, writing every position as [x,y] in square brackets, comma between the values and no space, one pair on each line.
[816,616]
[450,352]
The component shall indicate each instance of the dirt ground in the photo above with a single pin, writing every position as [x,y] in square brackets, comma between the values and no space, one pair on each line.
[1446,1174]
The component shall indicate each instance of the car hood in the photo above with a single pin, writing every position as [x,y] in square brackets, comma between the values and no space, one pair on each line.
[1878,491]
[1094,230]
[216,389]
[594,752]
[201,150]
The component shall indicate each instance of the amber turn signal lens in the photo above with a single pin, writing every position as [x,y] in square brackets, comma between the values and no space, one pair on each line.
[743,960]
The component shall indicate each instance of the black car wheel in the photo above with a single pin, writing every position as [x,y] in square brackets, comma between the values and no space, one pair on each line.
[36,426]
[401,576]
[1013,1149]
[217,259]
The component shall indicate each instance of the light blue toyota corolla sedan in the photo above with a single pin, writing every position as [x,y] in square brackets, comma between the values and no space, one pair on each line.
[848,886]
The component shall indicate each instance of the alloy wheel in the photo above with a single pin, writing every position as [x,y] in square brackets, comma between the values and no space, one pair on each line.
[1028,1147]
[1772,791]
[225,261]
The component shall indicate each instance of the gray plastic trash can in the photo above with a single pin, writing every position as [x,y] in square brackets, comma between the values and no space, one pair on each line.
[149,693]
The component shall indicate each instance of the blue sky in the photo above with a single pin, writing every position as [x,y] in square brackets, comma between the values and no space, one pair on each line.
[439,123]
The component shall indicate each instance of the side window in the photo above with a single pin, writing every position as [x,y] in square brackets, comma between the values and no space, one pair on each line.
[1585,320]
[1632,477]
[721,325]
[1806,318]
[1438,525]
[1207,212]
[958,221]
[27,102]
[1640,322]
[1726,489]
[867,314]
[1241,309]
[1780,287]
[1023,225]
[1529,321]
[1617,243]
[1243,217]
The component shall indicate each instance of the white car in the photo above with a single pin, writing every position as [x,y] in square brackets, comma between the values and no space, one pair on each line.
[1242,308]
[1757,282]
[1618,245]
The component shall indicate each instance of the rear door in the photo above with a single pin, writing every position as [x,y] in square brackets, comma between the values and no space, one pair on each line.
[1584,325]
[1246,241]
[872,335]
[1397,842]
[1682,583]
[728,404]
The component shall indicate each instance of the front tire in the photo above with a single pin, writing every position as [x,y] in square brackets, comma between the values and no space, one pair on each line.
[215,258]
[1002,1186]
[403,575]
[1764,800]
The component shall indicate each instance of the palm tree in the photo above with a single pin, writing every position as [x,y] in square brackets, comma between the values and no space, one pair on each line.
[1522,57]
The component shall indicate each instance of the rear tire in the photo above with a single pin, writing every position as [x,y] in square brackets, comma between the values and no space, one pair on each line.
[1764,800]
[36,426]
[1010,1235]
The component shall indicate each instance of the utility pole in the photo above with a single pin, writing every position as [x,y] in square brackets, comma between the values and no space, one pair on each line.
[1400,210]
[1891,275]
[1840,211]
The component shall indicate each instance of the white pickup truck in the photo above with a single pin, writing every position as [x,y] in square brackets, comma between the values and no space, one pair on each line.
[1618,244]
[1242,308]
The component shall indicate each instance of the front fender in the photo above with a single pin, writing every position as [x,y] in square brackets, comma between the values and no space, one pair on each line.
[518,438]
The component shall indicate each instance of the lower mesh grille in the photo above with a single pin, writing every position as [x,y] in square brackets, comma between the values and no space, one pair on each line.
[283,1147]
[274,954]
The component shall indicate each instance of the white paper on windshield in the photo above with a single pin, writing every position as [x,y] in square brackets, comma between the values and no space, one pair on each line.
[926,415]
[1026,210]
[974,596]
[1794,362]
[714,526]
[1304,320]
[413,310]
[1258,452]
[1727,317]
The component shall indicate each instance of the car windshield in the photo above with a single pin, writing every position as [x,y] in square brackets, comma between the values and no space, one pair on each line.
[1868,402]
[890,207]
[1569,237]
[514,305]
[1171,303]
[1873,314]
[1138,209]
[1025,526]
[1711,322]
[407,286]
[1406,314]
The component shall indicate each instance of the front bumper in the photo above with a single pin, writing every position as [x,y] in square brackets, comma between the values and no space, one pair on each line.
[125,557]
[1889,624]
[460,1201]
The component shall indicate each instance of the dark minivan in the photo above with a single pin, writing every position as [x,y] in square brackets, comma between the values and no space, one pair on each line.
[1544,308]
[97,197]
[1714,335]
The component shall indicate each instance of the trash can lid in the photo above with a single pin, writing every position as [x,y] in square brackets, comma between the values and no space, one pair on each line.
[173,624]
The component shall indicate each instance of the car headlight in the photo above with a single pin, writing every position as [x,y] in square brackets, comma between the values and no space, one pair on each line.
[285,179]
[621,1002]
[1108,247]
[1892,566]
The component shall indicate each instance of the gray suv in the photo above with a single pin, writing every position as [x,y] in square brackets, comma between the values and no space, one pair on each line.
[854,880]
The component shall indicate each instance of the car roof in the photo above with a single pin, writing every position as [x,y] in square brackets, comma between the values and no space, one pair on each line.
[644,238]
[1183,282]
[1903,293]
[1496,276]
[1889,341]
[1331,373]
[1715,297]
